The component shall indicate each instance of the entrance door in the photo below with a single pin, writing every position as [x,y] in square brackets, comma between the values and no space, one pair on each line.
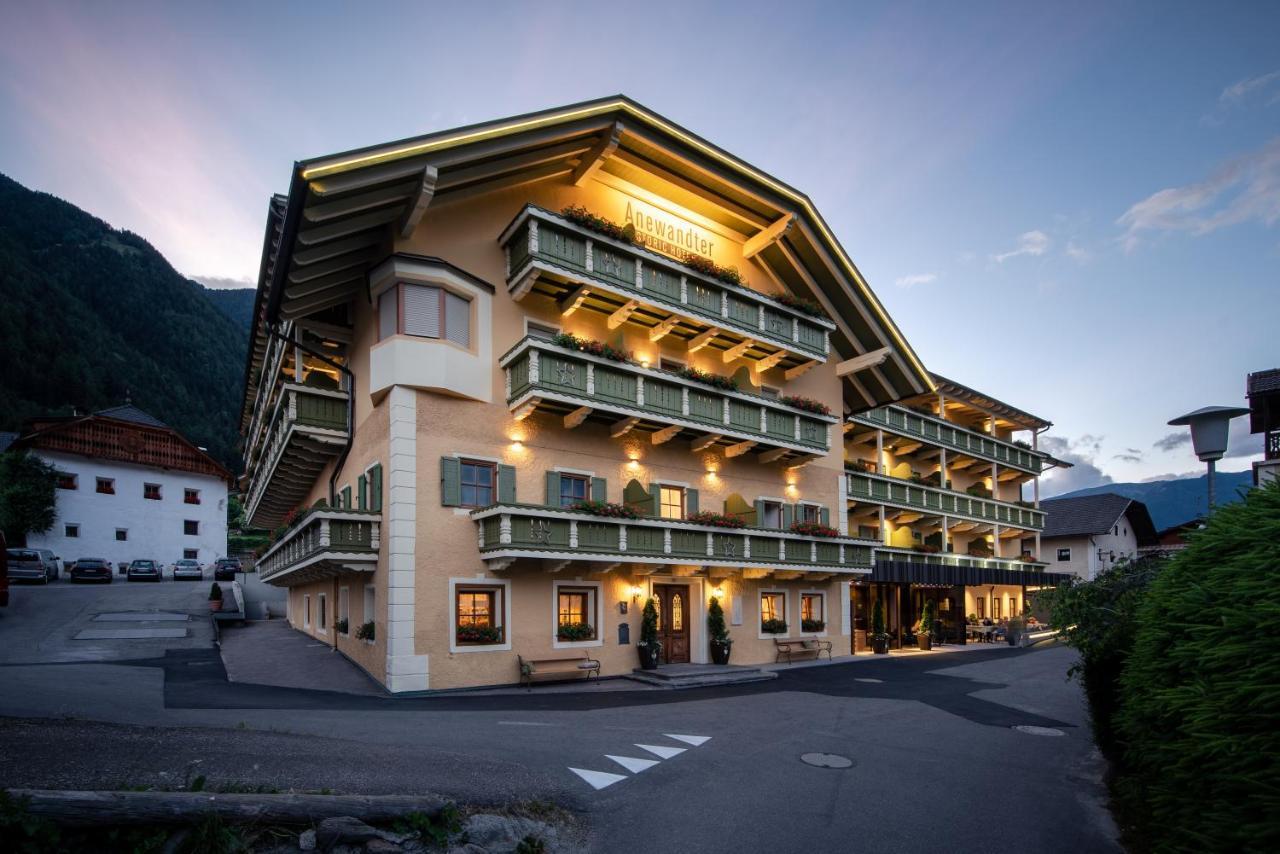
[673,622]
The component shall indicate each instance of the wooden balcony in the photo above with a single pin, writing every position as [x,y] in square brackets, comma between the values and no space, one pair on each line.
[543,377]
[553,538]
[307,429]
[869,487]
[950,559]
[322,544]
[935,431]
[583,270]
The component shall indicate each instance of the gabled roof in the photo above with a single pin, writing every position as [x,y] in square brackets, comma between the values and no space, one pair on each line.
[1085,515]
[129,412]
[343,213]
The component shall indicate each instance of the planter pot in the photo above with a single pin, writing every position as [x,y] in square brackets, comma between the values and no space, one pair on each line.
[880,646]
[215,604]
[1014,638]
[649,656]
[720,652]
[924,641]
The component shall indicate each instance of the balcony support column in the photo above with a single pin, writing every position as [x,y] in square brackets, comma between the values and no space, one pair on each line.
[879,452]
[995,541]
[504,529]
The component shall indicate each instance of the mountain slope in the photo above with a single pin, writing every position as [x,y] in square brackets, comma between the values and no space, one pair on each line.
[93,314]
[1172,502]
[235,303]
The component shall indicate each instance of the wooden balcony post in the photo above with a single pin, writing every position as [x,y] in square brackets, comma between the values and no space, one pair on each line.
[573,533]
[324,533]
[589,261]
[533,236]
[504,529]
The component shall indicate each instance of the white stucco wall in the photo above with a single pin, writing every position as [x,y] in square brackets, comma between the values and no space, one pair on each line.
[155,528]
[1084,550]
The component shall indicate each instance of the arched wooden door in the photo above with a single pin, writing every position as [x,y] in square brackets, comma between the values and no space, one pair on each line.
[673,622]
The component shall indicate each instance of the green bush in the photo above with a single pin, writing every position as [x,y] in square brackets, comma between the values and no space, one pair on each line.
[716,629]
[1199,716]
[928,614]
[649,624]
[877,620]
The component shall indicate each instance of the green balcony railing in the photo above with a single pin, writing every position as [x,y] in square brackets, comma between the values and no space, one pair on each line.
[542,375]
[319,543]
[932,430]
[513,531]
[949,559]
[881,489]
[539,242]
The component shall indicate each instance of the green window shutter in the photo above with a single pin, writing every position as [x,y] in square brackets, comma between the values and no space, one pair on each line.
[507,484]
[635,496]
[788,515]
[346,498]
[690,502]
[760,512]
[824,516]
[362,493]
[655,499]
[553,489]
[450,481]
[599,489]
[375,488]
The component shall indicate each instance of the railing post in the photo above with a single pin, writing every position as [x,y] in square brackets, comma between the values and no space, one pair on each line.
[591,379]
[324,533]
[711,544]
[666,541]
[534,372]
[782,549]
[684,400]
[573,533]
[684,290]
[622,538]
[504,529]
[725,401]
[724,303]
[589,262]
[639,274]
[640,392]
[533,236]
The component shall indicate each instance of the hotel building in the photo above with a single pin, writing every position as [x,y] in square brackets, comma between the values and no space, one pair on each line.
[510,381]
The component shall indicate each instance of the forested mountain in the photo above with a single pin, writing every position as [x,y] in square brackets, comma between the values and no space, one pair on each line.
[1172,502]
[235,303]
[92,315]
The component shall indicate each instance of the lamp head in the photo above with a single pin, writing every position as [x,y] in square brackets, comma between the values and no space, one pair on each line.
[1209,429]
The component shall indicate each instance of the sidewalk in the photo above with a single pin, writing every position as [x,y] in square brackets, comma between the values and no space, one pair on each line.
[269,652]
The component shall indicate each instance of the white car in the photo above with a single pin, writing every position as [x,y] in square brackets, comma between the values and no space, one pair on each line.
[187,568]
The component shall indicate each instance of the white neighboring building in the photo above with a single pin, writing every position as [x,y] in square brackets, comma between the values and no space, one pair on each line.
[1087,534]
[130,487]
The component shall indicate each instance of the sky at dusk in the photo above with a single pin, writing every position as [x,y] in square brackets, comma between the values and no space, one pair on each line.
[1070,206]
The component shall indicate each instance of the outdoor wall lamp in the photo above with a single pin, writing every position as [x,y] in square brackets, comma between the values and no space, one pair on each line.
[717,592]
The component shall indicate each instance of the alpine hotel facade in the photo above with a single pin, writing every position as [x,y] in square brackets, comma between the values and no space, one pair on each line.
[508,382]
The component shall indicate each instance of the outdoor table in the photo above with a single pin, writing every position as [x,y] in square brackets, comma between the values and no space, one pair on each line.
[985,631]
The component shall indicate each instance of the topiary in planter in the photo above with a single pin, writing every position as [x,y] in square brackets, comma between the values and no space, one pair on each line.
[718,633]
[649,646]
[924,637]
[879,637]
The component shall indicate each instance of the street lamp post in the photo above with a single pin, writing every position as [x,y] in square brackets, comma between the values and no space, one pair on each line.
[1209,428]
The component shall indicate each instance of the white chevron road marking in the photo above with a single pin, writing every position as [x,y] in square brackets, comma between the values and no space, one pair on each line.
[661,751]
[695,740]
[631,763]
[598,779]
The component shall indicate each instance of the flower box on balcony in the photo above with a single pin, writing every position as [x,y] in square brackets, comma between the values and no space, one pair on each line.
[716,520]
[707,378]
[590,345]
[813,529]
[607,509]
[808,404]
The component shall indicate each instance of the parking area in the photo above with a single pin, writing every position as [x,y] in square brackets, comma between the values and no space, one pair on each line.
[67,621]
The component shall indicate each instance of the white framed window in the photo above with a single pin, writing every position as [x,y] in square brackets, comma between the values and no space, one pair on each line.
[191,527]
[67,480]
[322,623]
[190,554]
[480,615]
[424,311]
[773,610]
[574,488]
[577,614]
[1064,555]
[671,502]
[813,612]
[151,491]
[306,611]
[808,512]
[106,485]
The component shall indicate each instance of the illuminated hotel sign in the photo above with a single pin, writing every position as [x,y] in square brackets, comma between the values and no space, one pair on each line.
[660,231]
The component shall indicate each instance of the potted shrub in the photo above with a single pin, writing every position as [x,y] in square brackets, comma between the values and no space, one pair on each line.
[215,597]
[718,632]
[879,637]
[774,627]
[650,647]
[924,637]
[1014,633]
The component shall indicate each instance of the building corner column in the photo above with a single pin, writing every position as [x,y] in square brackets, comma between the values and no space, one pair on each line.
[405,670]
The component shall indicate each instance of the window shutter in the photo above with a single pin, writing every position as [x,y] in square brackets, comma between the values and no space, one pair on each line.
[450,481]
[690,502]
[457,319]
[599,489]
[553,489]
[655,499]
[362,492]
[421,311]
[387,304]
[824,516]
[759,513]
[375,488]
[507,484]
[346,498]
[788,516]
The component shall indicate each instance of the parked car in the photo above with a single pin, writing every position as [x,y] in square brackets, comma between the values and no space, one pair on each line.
[91,569]
[54,562]
[28,565]
[225,568]
[4,572]
[145,570]
[189,569]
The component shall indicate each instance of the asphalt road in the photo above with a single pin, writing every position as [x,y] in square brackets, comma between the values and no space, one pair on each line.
[935,760]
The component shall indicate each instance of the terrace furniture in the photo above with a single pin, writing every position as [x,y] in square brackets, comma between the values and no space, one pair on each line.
[985,634]
[801,646]
[556,668]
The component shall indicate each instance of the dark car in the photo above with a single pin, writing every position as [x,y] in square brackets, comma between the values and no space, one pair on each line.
[28,565]
[225,568]
[91,569]
[144,570]
[4,572]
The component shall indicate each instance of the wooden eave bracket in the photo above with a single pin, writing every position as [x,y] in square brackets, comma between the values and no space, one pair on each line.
[861,363]
[418,204]
[595,158]
[763,239]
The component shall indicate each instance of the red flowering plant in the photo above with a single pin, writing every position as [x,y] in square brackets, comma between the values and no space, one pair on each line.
[578,215]
[591,346]
[699,376]
[808,404]
[716,520]
[807,306]
[710,268]
[607,509]
[813,529]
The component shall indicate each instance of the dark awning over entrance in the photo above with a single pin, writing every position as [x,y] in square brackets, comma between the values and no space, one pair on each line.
[927,573]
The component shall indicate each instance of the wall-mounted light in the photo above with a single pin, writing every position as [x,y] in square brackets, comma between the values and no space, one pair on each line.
[636,592]
[717,592]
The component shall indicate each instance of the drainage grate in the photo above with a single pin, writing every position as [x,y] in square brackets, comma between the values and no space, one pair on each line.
[826,760]
[1038,730]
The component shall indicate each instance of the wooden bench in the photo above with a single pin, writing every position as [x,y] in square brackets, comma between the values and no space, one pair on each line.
[791,647]
[556,668]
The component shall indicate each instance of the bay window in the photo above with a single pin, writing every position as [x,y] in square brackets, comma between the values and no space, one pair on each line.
[424,311]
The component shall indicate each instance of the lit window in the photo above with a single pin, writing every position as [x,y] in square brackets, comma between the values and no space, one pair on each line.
[477,620]
[71,530]
[190,527]
[671,502]
[122,535]
[575,614]
[107,485]
[811,608]
[672,365]
[477,482]
[573,488]
[191,496]
[67,481]
[151,491]
[773,606]
[982,607]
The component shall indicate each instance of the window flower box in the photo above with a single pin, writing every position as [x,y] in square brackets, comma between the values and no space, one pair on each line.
[575,632]
[812,625]
[715,380]
[715,520]
[479,634]
[580,216]
[774,627]
[710,268]
[607,509]
[808,306]
[806,403]
[592,347]
[813,529]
